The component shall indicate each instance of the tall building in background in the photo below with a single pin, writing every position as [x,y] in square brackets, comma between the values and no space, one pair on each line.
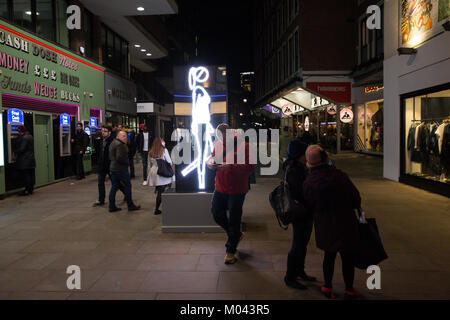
[304,63]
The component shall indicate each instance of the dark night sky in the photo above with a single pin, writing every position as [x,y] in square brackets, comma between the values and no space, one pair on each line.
[225,32]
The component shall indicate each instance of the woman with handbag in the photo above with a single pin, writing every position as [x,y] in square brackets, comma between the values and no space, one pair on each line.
[160,173]
[332,197]
[302,225]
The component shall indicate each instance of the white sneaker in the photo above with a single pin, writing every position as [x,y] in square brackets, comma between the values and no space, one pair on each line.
[145,183]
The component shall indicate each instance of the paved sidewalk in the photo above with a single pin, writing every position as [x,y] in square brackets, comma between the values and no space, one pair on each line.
[125,255]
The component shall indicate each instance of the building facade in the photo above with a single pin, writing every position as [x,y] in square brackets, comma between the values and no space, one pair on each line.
[417,94]
[53,77]
[303,66]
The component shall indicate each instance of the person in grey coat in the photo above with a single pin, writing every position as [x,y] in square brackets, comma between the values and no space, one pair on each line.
[118,155]
[25,162]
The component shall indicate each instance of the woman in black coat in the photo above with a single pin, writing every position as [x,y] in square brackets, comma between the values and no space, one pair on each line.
[25,161]
[302,229]
[333,198]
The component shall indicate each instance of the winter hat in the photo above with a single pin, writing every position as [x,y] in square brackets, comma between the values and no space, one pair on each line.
[315,156]
[296,149]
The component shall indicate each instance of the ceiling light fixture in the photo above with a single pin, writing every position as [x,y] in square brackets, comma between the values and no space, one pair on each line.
[149,54]
[143,50]
[140,9]
[137,45]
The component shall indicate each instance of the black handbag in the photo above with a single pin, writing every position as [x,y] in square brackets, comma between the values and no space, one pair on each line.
[164,168]
[371,250]
[287,210]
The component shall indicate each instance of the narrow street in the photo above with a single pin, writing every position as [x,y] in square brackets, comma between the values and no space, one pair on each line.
[126,256]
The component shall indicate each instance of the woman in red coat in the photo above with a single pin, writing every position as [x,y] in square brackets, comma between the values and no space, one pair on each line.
[332,197]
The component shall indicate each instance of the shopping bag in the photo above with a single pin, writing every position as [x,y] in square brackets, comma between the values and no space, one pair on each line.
[371,250]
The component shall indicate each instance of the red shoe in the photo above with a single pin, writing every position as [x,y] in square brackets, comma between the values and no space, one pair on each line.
[327,292]
[351,294]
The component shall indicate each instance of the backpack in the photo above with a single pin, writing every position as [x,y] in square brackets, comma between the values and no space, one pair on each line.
[287,210]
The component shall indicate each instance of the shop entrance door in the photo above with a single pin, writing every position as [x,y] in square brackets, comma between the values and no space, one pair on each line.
[42,150]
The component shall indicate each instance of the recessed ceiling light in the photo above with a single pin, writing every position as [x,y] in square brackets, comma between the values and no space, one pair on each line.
[137,45]
[149,54]
[28,13]
[143,50]
[140,9]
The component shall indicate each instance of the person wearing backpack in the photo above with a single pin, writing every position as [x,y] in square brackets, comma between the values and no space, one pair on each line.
[302,226]
[158,151]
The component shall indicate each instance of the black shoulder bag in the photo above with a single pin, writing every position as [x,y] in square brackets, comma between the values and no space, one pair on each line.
[287,210]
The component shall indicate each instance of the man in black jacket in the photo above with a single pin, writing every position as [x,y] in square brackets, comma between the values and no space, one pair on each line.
[25,161]
[144,144]
[302,228]
[118,154]
[79,144]
[103,163]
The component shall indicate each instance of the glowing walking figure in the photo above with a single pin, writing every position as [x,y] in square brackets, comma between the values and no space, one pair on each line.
[200,115]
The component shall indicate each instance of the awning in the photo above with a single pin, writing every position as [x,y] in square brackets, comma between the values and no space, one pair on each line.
[296,99]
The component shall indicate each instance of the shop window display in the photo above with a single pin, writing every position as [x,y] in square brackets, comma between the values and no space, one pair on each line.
[370,127]
[427,136]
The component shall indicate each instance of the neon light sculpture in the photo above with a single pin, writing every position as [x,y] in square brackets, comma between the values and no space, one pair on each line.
[200,115]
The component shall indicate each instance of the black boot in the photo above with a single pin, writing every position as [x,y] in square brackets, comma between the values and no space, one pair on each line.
[300,268]
[291,274]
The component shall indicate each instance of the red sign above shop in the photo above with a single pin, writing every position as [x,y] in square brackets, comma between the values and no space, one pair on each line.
[340,92]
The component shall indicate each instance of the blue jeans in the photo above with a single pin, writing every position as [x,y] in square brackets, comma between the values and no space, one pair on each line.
[222,202]
[119,179]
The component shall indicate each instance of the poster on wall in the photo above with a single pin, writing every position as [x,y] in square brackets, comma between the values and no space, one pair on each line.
[421,19]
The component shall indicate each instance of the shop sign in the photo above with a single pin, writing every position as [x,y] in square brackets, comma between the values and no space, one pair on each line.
[332,109]
[306,123]
[147,107]
[64,119]
[346,115]
[34,68]
[373,89]
[93,122]
[318,102]
[287,109]
[14,116]
[275,110]
[339,92]
[421,20]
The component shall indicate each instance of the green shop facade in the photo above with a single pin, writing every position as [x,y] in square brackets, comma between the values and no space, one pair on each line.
[48,89]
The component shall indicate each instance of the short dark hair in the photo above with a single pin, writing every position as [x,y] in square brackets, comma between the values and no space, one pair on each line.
[22,129]
[107,128]
[79,124]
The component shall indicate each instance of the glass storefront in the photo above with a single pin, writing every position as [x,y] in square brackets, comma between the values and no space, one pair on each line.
[426,136]
[370,127]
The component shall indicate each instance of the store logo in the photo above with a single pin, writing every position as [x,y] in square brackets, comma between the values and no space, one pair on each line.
[331,110]
[287,109]
[64,119]
[15,116]
[74,20]
[374,20]
[346,115]
[93,122]
[373,89]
